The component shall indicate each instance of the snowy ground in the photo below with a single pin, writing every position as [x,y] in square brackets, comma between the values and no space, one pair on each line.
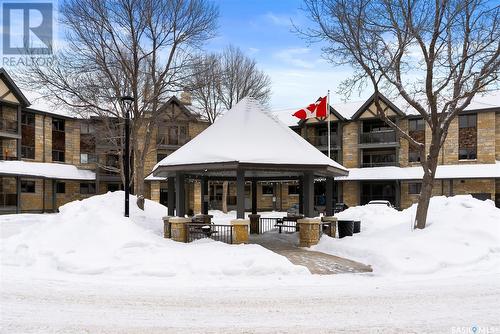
[88,270]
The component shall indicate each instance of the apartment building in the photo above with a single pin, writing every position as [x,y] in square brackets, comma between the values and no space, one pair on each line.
[48,159]
[382,165]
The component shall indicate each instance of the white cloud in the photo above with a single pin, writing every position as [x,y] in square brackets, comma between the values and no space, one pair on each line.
[297,57]
[278,19]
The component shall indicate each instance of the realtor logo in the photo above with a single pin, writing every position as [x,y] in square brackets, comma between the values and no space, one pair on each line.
[27,28]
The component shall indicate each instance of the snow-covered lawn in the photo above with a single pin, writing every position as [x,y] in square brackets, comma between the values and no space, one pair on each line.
[88,269]
[461,234]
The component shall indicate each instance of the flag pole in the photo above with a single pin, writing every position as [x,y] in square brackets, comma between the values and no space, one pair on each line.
[328,120]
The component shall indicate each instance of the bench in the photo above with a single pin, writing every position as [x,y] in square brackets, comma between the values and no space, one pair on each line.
[280,225]
[204,228]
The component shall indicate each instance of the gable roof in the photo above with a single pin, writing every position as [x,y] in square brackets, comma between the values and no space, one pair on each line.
[371,100]
[13,87]
[181,106]
[246,134]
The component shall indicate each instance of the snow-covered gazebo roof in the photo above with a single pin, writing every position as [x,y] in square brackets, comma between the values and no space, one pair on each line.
[249,138]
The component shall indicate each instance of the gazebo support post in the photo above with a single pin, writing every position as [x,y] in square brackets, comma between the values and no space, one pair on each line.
[308,193]
[254,197]
[240,194]
[180,199]
[329,196]
[301,195]
[204,193]
[171,196]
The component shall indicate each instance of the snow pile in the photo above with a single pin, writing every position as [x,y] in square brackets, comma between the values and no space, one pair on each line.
[92,237]
[461,231]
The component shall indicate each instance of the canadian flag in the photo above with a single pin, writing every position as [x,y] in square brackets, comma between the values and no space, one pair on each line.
[317,109]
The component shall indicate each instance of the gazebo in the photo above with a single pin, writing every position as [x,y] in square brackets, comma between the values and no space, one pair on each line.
[247,144]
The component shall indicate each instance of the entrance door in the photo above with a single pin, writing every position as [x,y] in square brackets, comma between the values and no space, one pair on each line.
[371,191]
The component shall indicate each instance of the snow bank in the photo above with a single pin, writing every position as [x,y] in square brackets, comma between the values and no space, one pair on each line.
[461,231]
[92,237]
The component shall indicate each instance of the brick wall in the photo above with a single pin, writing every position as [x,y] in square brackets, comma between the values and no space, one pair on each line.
[350,149]
[486,139]
[350,191]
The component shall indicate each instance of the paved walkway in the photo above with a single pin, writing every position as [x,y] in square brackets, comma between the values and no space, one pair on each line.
[286,244]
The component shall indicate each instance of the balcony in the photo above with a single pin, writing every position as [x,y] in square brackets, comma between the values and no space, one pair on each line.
[171,141]
[378,137]
[8,128]
[378,164]
[322,141]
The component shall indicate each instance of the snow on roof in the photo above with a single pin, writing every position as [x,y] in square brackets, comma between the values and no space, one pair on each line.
[248,134]
[45,170]
[151,177]
[416,173]
[490,99]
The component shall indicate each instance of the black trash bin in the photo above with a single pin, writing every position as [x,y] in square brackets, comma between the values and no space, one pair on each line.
[357,226]
[345,228]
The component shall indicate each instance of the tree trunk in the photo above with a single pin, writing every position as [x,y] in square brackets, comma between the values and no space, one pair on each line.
[225,185]
[139,182]
[430,167]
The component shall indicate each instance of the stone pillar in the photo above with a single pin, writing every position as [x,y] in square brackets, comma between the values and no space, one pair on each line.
[178,228]
[167,232]
[254,223]
[240,230]
[332,232]
[309,231]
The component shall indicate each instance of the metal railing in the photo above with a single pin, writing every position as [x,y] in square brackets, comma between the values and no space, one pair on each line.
[166,141]
[323,140]
[377,137]
[378,164]
[8,125]
[223,233]
[286,224]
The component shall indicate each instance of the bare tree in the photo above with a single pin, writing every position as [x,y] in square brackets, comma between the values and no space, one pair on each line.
[220,80]
[437,55]
[205,86]
[140,48]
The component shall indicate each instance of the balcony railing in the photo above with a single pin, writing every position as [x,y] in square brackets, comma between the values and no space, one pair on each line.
[171,141]
[8,125]
[378,164]
[378,137]
[323,140]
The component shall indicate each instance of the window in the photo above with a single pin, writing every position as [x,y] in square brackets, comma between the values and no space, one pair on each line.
[293,189]
[414,188]
[57,155]
[416,124]
[161,156]
[86,128]
[413,156]
[379,158]
[57,124]
[267,189]
[27,186]
[27,135]
[114,186]
[60,188]
[467,154]
[87,188]
[58,139]
[28,118]
[467,137]
[467,121]
[87,158]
